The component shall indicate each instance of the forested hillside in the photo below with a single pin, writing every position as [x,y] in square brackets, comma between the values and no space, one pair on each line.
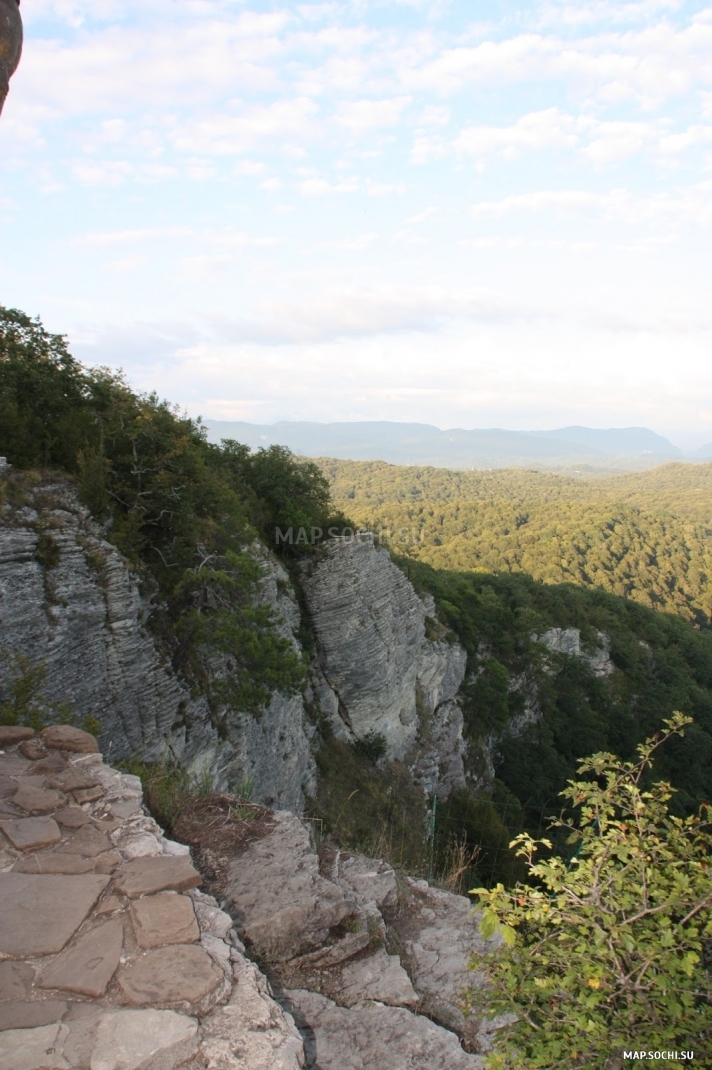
[646,536]
[181,510]
[184,513]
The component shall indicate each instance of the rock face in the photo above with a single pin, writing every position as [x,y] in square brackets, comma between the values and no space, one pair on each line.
[79,610]
[568,641]
[82,614]
[126,966]
[374,1035]
[10,44]
[360,955]
[379,673]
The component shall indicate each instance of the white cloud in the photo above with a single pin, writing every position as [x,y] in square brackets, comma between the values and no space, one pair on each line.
[202,268]
[692,204]
[320,187]
[289,120]
[426,149]
[613,141]
[131,237]
[539,130]
[360,116]
[601,141]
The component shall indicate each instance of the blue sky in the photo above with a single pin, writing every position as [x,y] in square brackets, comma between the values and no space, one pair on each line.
[465,214]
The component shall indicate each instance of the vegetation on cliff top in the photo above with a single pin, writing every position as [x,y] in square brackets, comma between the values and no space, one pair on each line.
[183,511]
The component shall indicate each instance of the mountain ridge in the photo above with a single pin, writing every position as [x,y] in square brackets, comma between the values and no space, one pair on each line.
[417,443]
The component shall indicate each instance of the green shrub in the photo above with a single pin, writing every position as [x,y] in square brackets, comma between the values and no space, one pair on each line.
[608,951]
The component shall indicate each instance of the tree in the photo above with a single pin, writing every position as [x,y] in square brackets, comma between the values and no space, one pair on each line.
[609,952]
[44,410]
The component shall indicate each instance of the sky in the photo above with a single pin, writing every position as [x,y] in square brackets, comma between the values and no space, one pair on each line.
[459,213]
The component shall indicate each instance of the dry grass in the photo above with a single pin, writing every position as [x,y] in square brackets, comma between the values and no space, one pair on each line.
[460,859]
[219,828]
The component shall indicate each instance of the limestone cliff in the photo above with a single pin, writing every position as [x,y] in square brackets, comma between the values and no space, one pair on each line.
[380,673]
[69,599]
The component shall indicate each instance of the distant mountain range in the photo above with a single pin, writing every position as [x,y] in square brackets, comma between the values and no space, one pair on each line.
[403,443]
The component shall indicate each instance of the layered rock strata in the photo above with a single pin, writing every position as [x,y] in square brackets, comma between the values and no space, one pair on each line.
[69,600]
[384,665]
[380,674]
[110,956]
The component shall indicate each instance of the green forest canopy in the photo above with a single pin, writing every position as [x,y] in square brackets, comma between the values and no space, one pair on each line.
[183,511]
[646,536]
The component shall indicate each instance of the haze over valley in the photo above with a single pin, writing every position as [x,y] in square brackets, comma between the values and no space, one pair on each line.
[584,450]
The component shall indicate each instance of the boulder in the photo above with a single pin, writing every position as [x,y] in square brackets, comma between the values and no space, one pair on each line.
[278,898]
[371,1035]
[11,734]
[65,737]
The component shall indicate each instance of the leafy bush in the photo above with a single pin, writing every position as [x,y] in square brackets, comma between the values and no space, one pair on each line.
[609,951]
[372,746]
[184,512]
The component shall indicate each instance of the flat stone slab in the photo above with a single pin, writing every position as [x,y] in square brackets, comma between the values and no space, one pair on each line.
[66,738]
[132,1039]
[88,965]
[88,795]
[40,912]
[24,1015]
[15,980]
[53,862]
[146,876]
[11,734]
[31,833]
[13,764]
[181,973]
[107,862]
[33,1049]
[8,787]
[33,749]
[71,779]
[53,763]
[36,800]
[88,841]
[72,817]
[164,919]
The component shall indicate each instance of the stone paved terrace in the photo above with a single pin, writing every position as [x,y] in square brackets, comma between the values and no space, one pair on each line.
[110,956]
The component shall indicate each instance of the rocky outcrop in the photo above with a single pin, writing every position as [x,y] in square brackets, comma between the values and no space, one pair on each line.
[357,952]
[10,45]
[110,956]
[567,641]
[379,673]
[68,599]
[384,665]
[373,1035]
